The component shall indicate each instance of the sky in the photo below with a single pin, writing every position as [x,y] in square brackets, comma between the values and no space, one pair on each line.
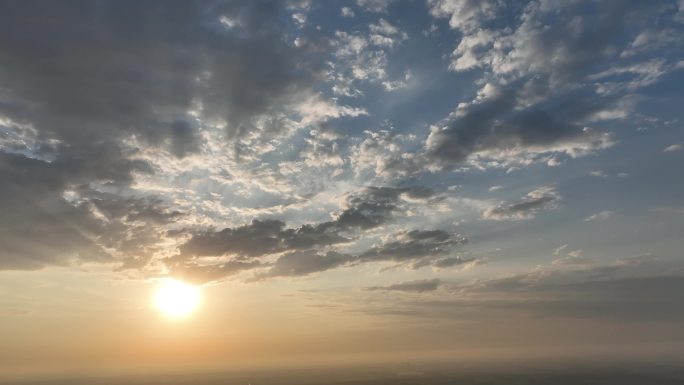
[454,178]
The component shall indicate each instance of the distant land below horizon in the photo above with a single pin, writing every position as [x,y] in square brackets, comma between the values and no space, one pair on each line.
[587,372]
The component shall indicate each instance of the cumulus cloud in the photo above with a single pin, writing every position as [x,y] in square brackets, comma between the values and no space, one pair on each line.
[373,206]
[672,148]
[543,198]
[492,131]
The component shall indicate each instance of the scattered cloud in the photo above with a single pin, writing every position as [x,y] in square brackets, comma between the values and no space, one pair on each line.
[347,12]
[600,216]
[543,198]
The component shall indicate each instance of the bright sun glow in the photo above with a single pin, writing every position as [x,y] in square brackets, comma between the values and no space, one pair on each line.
[176,299]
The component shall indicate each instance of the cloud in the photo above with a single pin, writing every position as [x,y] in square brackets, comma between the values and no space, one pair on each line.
[373,206]
[600,216]
[418,246]
[651,39]
[415,244]
[385,34]
[124,79]
[560,249]
[493,131]
[201,274]
[387,155]
[363,210]
[418,286]
[259,238]
[186,59]
[48,220]
[568,273]
[466,15]
[347,12]
[297,264]
[672,148]
[573,260]
[532,65]
[543,198]
[628,291]
[362,58]
[444,263]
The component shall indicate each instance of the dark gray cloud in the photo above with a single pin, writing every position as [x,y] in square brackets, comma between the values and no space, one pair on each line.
[301,263]
[261,237]
[302,256]
[373,206]
[412,246]
[40,226]
[495,126]
[51,217]
[83,82]
[365,209]
[119,68]
[416,245]
[420,286]
[132,209]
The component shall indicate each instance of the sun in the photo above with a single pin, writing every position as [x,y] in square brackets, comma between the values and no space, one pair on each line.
[176,299]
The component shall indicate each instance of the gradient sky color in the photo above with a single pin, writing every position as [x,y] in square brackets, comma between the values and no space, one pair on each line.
[342,179]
